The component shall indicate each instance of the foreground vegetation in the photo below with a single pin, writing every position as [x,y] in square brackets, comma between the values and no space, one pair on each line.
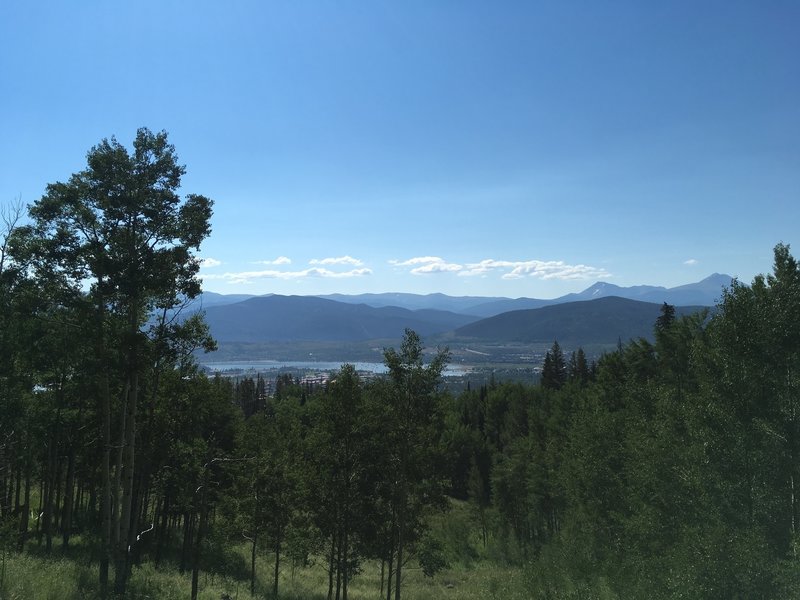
[665,470]
[71,575]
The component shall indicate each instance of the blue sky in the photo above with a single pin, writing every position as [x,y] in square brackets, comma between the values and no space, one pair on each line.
[471,148]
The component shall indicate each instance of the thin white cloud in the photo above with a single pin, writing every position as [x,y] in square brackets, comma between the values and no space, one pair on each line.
[518,269]
[441,267]
[250,276]
[487,266]
[424,265]
[341,260]
[281,260]
[419,260]
[207,263]
[340,274]
[540,269]
[691,262]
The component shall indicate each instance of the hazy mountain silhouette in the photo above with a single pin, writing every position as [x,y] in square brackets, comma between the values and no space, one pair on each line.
[626,312]
[306,318]
[702,293]
[601,321]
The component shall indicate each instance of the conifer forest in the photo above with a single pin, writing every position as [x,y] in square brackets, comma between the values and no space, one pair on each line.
[662,469]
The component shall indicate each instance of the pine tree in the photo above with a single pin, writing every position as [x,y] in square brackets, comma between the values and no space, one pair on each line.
[554,371]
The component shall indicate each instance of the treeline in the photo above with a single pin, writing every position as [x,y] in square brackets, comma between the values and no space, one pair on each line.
[109,432]
[665,469]
[671,472]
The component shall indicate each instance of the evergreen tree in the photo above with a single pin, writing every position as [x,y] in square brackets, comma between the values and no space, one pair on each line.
[554,371]
[578,370]
[665,319]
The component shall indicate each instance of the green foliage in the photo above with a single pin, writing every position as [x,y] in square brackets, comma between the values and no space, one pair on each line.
[431,556]
[668,469]
[554,370]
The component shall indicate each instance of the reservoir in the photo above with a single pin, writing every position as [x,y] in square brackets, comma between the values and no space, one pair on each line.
[262,366]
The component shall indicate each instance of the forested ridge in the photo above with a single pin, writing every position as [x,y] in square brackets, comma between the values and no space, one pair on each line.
[664,469]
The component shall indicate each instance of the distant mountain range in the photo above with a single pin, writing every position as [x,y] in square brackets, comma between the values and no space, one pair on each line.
[307,318]
[601,314]
[208,299]
[703,293]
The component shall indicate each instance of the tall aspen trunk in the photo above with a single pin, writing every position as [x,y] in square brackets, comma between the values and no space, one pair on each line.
[793,526]
[390,562]
[47,499]
[793,455]
[123,549]
[339,567]
[140,507]
[400,540]
[66,518]
[6,482]
[117,484]
[141,490]
[24,515]
[277,566]
[188,527]
[161,537]
[253,563]
[401,520]
[17,489]
[105,501]
[331,566]
[56,513]
[201,527]
[345,573]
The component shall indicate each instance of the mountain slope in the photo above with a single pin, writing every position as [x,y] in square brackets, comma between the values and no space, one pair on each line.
[702,293]
[207,299]
[698,293]
[458,304]
[601,321]
[705,293]
[307,318]
[501,305]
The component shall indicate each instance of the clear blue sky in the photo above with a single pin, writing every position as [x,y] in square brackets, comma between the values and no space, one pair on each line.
[481,148]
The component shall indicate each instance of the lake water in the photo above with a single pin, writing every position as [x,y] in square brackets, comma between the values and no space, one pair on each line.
[269,365]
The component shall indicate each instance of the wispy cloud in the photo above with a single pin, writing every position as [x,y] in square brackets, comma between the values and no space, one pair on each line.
[281,260]
[540,269]
[428,264]
[419,260]
[207,263]
[250,276]
[508,269]
[691,262]
[341,260]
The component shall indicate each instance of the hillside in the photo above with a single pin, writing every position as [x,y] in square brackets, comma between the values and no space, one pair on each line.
[458,304]
[702,293]
[601,314]
[305,318]
[601,321]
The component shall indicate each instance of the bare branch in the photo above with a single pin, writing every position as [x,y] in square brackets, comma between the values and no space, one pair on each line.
[10,217]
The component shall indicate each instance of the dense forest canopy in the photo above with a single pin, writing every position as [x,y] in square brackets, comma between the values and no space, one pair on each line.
[665,469]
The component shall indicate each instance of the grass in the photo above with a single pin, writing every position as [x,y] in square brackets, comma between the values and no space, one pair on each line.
[480,581]
[36,576]
[474,572]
